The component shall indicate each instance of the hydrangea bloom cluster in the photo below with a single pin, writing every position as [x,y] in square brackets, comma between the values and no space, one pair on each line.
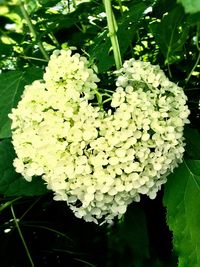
[70,73]
[98,161]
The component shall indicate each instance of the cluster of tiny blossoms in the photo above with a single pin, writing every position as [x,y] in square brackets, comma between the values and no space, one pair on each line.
[97,161]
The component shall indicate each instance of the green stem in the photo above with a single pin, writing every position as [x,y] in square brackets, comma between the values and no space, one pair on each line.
[53,38]
[112,28]
[109,91]
[194,67]
[32,29]
[74,3]
[24,214]
[49,229]
[33,58]
[8,203]
[169,70]
[99,99]
[107,100]
[198,58]
[106,94]
[21,236]
[120,6]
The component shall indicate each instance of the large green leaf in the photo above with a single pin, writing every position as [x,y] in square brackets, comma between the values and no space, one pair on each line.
[192,137]
[11,87]
[127,27]
[182,200]
[130,238]
[191,6]
[170,34]
[12,183]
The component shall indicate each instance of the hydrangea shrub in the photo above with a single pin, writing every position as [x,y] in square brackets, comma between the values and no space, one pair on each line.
[97,160]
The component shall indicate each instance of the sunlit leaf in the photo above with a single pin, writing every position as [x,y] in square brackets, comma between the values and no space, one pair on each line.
[191,6]
[182,200]
[170,34]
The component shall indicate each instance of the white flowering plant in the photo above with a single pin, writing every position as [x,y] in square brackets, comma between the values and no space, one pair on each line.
[99,161]
[102,137]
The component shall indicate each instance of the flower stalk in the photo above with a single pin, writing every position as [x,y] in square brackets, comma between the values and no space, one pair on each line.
[21,236]
[32,29]
[112,28]
[198,58]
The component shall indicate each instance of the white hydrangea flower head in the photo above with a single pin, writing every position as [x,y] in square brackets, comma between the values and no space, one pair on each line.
[70,71]
[98,161]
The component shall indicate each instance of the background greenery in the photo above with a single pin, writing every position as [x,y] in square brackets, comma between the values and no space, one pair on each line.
[153,233]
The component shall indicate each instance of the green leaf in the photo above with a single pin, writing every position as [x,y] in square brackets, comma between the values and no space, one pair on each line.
[194,167]
[5,49]
[48,3]
[12,183]
[11,87]
[191,6]
[127,27]
[182,200]
[170,34]
[18,37]
[193,19]
[192,137]
[129,238]
[163,6]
